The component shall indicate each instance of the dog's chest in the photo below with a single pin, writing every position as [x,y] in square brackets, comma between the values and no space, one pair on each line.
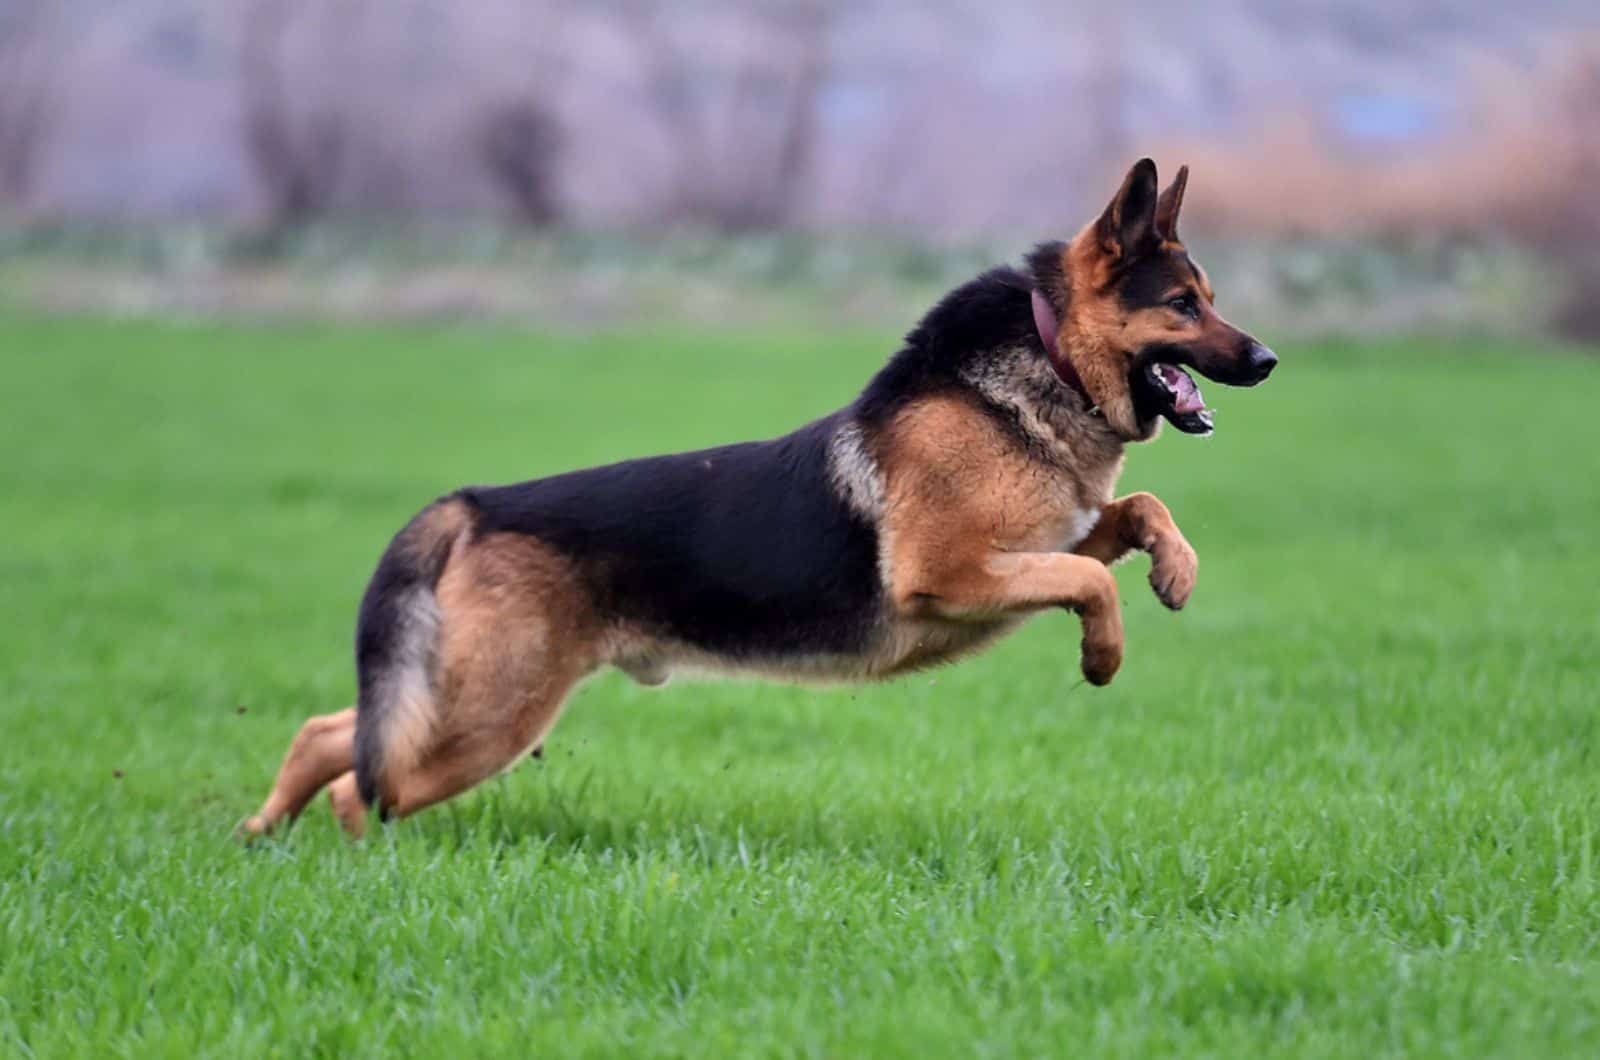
[1059,512]
[1057,499]
[1080,523]
[1057,528]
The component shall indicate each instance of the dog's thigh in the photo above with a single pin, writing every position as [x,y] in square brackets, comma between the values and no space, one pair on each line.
[505,712]
[517,631]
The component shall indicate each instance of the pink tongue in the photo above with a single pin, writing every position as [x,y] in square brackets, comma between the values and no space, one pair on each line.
[1186,396]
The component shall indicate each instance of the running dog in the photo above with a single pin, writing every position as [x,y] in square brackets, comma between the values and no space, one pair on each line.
[968,487]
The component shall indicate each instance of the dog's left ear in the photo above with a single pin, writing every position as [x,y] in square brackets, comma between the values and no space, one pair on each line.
[1129,222]
[1170,203]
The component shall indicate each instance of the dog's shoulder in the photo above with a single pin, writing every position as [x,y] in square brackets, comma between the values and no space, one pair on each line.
[988,313]
[969,417]
[977,363]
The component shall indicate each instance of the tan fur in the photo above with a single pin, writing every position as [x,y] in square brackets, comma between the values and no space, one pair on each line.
[412,710]
[973,526]
[437,526]
[1094,337]
[1141,522]
[345,797]
[320,751]
[1167,208]
[516,633]
[1099,337]
[1205,284]
[651,660]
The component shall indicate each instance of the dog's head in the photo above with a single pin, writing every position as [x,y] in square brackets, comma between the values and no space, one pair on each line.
[1135,311]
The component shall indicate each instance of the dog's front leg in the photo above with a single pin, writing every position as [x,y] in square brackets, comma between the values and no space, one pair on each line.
[997,584]
[1140,521]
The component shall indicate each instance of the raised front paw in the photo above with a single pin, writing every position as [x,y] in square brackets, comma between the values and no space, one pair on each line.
[1173,569]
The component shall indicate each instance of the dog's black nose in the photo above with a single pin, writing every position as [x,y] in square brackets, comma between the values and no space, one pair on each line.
[1262,361]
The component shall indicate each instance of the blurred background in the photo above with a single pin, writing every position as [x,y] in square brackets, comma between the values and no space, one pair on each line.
[273,273]
[1358,166]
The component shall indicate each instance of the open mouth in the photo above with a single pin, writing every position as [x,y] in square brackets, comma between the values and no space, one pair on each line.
[1167,390]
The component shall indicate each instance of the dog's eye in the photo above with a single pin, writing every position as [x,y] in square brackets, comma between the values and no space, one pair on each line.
[1186,305]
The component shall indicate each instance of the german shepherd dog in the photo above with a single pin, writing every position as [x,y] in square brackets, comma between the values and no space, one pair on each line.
[968,487]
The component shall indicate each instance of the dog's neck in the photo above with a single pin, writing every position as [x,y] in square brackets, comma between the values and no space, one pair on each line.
[1049,328]
[1057,420]
[1067,282]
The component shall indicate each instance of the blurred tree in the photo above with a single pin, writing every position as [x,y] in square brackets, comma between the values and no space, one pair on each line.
[520,143]
[741,120]
[1106,89]
[297,157]
[1579,316]
[519,137]
[33,43]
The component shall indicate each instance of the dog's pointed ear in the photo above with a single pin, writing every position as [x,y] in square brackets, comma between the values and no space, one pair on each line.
[1169,204]
[1129,223]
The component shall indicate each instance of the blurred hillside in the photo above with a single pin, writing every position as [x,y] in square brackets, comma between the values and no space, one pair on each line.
[1416,125]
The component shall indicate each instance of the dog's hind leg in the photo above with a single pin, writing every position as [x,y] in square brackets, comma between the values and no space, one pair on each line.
[500,725]
[348,808]
[323,749]
[516,632]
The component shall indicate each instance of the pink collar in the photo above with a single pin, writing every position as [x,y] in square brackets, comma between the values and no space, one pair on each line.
[1044,318]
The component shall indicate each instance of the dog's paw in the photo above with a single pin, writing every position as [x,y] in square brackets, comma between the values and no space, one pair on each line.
[1173,570]
[1102,657]
[251,828]
[1101,665]
[348,809]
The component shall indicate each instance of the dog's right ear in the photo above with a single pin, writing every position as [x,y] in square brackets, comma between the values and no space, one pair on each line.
[1169,204]
[1129,223]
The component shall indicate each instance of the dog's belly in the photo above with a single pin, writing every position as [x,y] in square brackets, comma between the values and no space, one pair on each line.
[914,644]
[896,647]
[1080,523]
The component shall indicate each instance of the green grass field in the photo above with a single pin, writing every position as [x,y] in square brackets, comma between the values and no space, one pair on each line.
[1343,805]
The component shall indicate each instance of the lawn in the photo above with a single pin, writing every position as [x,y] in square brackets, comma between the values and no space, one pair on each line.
[1343,805]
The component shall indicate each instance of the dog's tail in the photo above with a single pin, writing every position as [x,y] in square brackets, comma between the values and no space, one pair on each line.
[397,636]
